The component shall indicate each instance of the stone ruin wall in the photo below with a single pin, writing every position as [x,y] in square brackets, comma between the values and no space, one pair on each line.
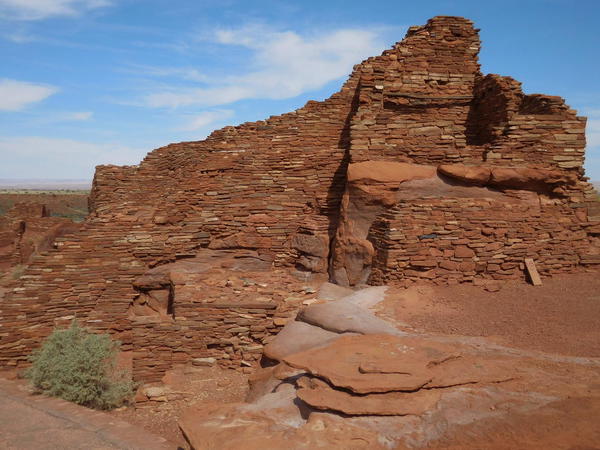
[458,240]
[274,187]
[253,184]
[27,229]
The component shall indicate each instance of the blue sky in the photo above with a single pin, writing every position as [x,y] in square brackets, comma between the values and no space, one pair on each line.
[87,82]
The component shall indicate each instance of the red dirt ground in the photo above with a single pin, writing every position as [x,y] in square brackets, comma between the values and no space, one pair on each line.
[562,316]
[206,385]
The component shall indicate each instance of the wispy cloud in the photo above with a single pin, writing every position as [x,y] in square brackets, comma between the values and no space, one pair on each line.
[592,130]
[286,64]
[61,158]
[78,116]
[16,95]
[207,118]
[592,136]
[19,37]
[183,73]
[55,117]
[43,9]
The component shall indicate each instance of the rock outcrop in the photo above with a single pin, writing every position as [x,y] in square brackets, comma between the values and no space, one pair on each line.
[400,389]
[419,168]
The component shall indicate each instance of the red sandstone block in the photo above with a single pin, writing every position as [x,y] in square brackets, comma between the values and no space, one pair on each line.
[463,251]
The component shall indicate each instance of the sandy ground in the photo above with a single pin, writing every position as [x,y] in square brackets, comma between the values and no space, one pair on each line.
[207,385]
[562,316]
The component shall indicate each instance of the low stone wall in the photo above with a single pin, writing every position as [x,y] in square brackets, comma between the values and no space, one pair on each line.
[460,240]
[232,334]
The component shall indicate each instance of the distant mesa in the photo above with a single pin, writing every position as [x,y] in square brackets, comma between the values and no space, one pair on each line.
[45,184]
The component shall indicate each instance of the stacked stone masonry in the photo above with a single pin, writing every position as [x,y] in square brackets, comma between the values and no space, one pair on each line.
[276,188]
[453,240]
[26,229]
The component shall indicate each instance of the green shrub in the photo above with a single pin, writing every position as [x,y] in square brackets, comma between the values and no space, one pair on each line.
[80,367]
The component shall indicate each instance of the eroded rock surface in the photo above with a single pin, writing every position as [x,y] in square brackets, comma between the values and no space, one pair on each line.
[297,336]
[392,390]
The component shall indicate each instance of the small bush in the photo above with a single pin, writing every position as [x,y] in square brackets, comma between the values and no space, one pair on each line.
[80,367]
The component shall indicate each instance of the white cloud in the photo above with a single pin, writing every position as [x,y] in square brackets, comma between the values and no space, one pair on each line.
[19,37]
[207,118]
[286,64]
[592,135]
[57,117]
[43,9]
[202,96]
[592,129]
[16,95]
[184,73]
[79,116]
[52,158]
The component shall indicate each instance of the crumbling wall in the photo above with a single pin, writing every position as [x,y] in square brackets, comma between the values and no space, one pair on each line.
[275,187]
[415,98]
[222,304]
[495,100]
[27,229]
[246,187]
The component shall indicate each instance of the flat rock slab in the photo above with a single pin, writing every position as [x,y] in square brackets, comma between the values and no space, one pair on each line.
[385,363]
[321,395]
[297,337]
[233,427]
[345,317]
[39,422]
[367,297]
[534,275]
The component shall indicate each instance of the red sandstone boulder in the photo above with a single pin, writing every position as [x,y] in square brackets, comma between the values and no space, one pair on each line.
[311,244]
[469,174]
[529,179]
[371,172]
[508,177]
[379,363]
[467,384]
[232,427]
[343,316]
[296,337]
[351,261]
[321,395]
[330,291]
[371,187]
